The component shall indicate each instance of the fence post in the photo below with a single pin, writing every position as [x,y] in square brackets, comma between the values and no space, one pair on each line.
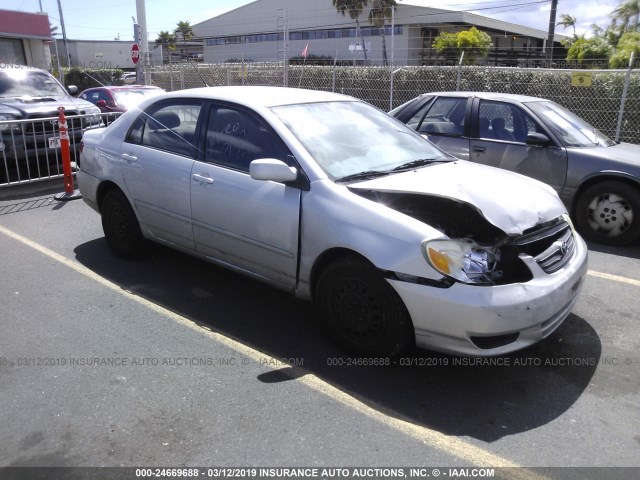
[627,79]
[333,81]
[393,76]
[459,72]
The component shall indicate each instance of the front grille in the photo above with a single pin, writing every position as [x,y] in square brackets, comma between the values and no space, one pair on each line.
[51,126]
[552,246]
[495,341]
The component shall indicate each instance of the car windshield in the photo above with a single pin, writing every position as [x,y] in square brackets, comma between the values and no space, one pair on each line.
[349,138]
[28,83]
[130,98]
[570,129]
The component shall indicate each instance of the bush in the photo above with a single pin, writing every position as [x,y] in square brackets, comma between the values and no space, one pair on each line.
[82,77]
[311,60]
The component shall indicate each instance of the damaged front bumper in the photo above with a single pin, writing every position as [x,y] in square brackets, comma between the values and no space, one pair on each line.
[494,320]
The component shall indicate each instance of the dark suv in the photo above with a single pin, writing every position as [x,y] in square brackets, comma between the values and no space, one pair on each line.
[29,138]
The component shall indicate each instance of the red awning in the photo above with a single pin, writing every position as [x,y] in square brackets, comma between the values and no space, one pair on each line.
[24,25]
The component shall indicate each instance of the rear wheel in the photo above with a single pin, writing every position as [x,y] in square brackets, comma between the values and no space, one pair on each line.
[609,213]
[120,226]
[362,311]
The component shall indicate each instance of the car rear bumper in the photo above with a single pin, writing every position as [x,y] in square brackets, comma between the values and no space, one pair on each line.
[486,321]
[88,185]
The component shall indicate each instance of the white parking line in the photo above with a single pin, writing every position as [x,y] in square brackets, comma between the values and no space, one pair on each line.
[454,446]
[614,278]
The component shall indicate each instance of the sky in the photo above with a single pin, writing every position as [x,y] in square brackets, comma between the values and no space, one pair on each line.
[108,20]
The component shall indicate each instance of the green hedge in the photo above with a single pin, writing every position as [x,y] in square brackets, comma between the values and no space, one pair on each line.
[81,77]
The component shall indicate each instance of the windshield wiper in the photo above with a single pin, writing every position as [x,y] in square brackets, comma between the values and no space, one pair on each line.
[417,163]
[363,175]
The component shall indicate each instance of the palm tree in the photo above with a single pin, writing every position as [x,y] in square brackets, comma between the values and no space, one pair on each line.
[381,11]
[567,21]
[626,17]
[355,8]
[186,32]
[166,40]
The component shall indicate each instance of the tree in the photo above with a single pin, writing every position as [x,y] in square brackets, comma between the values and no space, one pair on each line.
[629,42]
[628,13]
[567,21]
[381,11]
[587,51]
[185,30]
[166,40]
[355,9]
[474,43]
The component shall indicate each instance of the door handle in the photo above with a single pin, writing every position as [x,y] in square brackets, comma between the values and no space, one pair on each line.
[129,158]
[479,149]
[202,178]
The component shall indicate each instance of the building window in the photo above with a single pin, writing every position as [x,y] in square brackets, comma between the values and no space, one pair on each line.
[306,35]
[11,51]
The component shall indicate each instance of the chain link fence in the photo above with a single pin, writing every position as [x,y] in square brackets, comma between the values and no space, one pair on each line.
[595,95]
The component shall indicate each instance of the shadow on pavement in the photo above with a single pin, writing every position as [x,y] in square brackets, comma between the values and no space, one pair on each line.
[448,394]
[630,251]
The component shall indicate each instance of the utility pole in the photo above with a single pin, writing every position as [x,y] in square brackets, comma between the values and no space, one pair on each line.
[552,30]
[141,14]
[64,36]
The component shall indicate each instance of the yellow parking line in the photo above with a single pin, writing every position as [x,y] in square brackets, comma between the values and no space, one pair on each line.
[450,445]
[614,278]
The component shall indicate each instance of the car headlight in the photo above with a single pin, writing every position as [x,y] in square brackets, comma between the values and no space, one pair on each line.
[95,115]
[462,260]
[567,218]
[4,117]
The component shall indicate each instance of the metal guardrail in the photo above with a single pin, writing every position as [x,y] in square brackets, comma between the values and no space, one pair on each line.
[30,149]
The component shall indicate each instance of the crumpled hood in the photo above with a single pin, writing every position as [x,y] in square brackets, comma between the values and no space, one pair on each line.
[509,201]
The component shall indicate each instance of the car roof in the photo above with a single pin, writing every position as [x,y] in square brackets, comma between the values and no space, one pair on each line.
[124,87]
[116,88]
[261,95]
[489,96]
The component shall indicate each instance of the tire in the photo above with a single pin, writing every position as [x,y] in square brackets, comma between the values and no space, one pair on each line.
[120,226]
[361,310]
[609,213]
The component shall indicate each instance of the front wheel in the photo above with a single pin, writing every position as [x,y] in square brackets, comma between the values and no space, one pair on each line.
[609,213]
[120,226]
[362,311]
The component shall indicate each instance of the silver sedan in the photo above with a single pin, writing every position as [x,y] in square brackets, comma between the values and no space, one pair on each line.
[396,242]
[598,179]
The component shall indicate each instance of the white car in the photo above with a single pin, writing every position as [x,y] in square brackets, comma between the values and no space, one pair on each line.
[396,242]
[129,78]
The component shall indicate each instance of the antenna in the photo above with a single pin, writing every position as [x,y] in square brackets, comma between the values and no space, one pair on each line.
[94,79]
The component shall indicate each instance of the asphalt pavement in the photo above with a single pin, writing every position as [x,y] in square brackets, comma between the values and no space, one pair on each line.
[170,361]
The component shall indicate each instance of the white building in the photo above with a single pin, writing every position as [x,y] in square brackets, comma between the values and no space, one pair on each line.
[256,32]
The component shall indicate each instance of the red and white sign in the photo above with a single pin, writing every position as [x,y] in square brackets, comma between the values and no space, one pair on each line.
[135,53]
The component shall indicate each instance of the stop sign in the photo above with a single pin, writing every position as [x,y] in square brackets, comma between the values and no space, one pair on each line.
[135,53]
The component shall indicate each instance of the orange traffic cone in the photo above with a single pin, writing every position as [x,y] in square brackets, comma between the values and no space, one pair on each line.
[69,192]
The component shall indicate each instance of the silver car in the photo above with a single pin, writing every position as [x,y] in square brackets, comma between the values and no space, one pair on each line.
[598,179]
[396,242]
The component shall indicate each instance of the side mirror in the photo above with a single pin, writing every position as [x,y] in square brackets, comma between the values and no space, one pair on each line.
[101,103]
[72,89]
[538,140]
[272,169]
